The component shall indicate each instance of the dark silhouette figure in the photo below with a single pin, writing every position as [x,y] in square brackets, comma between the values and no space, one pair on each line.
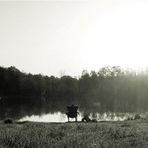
[86,119]
[72,112]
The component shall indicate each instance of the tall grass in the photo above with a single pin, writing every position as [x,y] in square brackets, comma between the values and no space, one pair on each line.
[129,134]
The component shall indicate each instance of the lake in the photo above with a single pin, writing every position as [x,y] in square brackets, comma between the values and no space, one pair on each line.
[60,117]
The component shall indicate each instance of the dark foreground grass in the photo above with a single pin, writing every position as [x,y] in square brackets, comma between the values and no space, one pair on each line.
[125,134]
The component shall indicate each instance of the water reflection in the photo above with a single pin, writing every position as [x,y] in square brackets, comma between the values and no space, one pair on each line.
[60,117]
[55,117]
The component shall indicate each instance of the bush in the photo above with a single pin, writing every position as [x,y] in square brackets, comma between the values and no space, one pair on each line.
[137,116]
[8,121]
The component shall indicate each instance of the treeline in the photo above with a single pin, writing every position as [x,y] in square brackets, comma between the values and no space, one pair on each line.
[109,89]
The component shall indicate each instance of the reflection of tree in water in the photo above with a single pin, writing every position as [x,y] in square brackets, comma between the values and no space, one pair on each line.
[20,107]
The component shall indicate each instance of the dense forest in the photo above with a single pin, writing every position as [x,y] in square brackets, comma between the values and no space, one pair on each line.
[110,89]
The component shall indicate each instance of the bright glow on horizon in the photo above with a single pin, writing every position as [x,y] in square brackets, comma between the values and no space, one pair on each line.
[51,37]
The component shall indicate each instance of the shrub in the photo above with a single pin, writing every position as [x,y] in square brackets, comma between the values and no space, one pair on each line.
[8,121]
[137,116]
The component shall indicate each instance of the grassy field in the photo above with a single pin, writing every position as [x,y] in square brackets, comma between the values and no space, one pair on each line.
[125,134]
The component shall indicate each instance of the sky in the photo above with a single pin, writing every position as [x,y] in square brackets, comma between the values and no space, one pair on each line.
[56,37]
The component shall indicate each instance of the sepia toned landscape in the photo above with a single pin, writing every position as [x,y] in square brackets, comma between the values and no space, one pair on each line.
[118,119]
[73,74]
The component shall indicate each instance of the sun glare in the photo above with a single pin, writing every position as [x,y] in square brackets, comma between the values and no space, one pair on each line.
[117,37]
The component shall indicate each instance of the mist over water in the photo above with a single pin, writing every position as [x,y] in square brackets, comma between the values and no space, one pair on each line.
[61,117]
[55,117]
[56,111]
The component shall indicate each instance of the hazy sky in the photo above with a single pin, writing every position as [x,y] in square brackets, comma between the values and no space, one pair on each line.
[58,36]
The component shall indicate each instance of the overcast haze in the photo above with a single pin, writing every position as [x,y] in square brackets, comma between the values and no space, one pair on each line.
[54,37]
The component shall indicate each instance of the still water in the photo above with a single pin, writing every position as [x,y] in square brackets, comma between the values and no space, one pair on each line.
[60,117]
[55,117]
